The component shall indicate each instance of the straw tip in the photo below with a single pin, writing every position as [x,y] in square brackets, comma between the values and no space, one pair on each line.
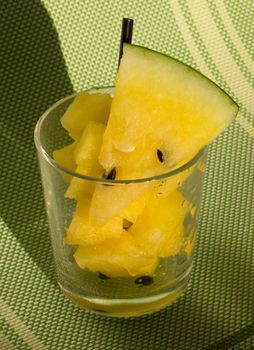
[127,20]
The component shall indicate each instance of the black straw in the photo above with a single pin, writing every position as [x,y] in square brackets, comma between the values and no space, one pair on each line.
[126,35]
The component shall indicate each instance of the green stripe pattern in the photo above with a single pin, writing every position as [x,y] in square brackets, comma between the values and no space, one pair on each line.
[50,48]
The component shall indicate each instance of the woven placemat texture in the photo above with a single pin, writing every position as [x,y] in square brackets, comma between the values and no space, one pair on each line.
[50,48]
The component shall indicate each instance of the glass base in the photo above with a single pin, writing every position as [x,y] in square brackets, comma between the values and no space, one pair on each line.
[130,307]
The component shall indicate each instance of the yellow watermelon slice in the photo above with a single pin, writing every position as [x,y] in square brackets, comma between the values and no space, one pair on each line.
[86,107]
[163,113]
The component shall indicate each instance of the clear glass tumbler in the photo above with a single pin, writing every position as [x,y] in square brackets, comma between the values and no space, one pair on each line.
[138,259]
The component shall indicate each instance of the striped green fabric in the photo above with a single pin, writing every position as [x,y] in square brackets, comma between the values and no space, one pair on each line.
[50,48]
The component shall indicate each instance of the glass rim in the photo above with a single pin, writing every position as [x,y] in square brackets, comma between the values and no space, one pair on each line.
[58,166]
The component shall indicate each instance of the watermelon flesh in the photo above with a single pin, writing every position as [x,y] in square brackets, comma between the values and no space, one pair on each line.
[162,114]
[160,104]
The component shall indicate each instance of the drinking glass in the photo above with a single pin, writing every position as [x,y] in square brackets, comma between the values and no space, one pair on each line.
[146,264]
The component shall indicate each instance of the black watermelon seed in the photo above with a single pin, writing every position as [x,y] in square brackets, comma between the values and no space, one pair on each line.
[103,277]
[144,280]
[127,224]
[111,175]
[160,155]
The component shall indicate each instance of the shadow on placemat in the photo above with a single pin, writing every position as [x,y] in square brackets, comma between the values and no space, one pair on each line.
[34,76]
[163,331]
[234,339]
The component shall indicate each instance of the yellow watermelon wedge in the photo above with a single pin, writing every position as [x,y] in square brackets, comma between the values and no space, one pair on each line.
[162,114]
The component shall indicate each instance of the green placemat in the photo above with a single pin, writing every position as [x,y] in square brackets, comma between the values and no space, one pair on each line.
[50,48]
